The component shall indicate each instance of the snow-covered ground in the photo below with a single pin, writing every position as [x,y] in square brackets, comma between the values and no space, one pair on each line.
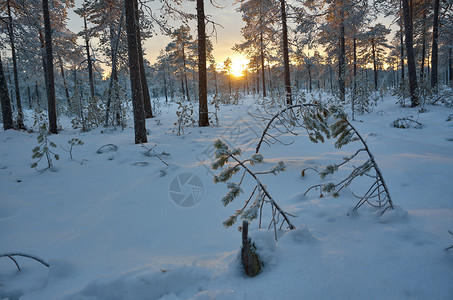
[108,227]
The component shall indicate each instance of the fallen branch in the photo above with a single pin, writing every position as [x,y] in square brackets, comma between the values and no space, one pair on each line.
[11,256]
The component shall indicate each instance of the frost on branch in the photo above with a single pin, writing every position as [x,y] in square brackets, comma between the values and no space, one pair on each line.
[253,206]
[312,117]
[377,194]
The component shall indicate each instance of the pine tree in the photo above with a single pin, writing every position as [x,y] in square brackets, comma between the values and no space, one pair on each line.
[374,46]
[258,32]
[179,50]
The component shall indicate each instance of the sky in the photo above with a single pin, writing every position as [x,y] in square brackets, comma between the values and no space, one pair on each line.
[228,34]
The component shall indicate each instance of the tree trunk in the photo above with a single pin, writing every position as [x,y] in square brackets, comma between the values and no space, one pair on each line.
[375,66]
[114,42]
[450,64]
[89,62]
[145,90]
[203,120]
[7,112]
[50,84]
[20,113]
[64,79]
[354,78]
[185,88]
[413,87]
[422,66]
[263,71]
[287,76]
[402,44]
[134,70]
[435,47]
[29,97]
[342,60]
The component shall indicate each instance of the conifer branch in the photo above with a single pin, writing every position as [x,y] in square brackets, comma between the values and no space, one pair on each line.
[250,210]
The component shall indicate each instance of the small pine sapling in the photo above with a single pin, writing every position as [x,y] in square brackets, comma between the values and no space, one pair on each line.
[44,149]
[214,118]
[185,117]
[72,143]
[253,206]
[377,194]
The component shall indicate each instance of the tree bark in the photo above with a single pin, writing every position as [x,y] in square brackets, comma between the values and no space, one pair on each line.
[402,44]
[435,46]
[89,62]
[60,61]
[134,70]
[145,90]
[7,112]
[287,76]
[450,64]
[185,72]
[262,64]
[342,59]
[375,66]
[20,113]
[413,86]
[114,42]
[354,78]
[50,84]
[202,73]
[422,66]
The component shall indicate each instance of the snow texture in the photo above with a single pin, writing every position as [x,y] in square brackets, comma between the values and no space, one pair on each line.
[107,226]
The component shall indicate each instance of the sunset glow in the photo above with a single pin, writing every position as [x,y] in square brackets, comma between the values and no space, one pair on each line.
[239,65]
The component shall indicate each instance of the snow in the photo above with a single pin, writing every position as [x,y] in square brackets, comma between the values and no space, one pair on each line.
[109,229]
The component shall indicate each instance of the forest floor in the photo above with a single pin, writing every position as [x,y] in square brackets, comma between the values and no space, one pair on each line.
[121,225]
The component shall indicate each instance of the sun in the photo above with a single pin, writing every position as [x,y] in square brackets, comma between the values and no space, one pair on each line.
[238,66]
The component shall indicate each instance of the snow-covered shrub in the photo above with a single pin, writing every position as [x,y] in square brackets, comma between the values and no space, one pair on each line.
[365,98]
[402,92]
[407,122]
[444,96]
[117,101]
[87,115]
